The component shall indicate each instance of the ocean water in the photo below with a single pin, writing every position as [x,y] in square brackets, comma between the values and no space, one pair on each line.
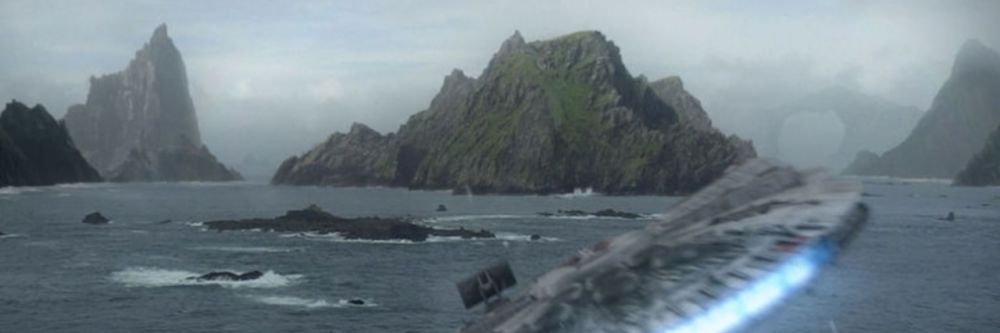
[907,272]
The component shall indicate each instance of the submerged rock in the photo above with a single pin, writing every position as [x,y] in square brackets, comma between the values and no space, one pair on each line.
[228,276]
[95,218]
[314,219]
[949,217]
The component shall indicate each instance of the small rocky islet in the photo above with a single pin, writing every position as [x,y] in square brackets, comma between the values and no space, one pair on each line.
[313,219]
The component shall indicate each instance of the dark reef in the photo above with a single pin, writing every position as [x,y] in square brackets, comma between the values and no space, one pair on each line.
[314,219]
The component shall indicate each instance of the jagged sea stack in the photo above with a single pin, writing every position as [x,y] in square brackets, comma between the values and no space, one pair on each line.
[35,150]
[546,116]
[140,124]
[964,113]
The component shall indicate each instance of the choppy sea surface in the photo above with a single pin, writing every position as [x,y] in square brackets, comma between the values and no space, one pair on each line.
[908,271]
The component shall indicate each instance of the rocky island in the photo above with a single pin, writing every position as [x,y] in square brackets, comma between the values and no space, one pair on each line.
[544,117]
[964,112]
[315,220]
[140,124]
[35,150]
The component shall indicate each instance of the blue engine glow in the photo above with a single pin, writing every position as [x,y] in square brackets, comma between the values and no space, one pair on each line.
[745,304]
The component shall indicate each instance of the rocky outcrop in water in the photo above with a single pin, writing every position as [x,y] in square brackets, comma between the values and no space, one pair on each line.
[140,124]
[984,168]
[35,150]
[313,219]
[95,218]
[964,113]
[228,276]
[544,117]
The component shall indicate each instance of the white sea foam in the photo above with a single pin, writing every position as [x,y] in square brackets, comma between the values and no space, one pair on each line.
[11,236]
[456,218]
[12,190]
[158,277]
[293,301]
[336,237]
[578,193]
[508,236]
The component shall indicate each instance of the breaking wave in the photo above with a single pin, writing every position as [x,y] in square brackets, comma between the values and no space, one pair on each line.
[578,193]
[292,301]
[157,277]
[456,218]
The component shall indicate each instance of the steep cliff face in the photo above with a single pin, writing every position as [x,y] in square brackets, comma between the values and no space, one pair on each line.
[36,150]
[546,116]
[688,107]
[143,112]
[964,112]
[984,168]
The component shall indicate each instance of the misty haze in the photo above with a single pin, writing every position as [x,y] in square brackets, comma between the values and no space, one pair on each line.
[566,166]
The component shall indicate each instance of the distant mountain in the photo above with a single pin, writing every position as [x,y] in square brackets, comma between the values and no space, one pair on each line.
[984,168]
[964,112]
[546,116]
[36,150]
[140,124]
[869,123]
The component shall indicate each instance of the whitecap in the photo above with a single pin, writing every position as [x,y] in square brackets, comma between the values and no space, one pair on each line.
[456,218]
[508,236]
[293,301]
[13,190]
[578,193]
[158,277]
[336,237]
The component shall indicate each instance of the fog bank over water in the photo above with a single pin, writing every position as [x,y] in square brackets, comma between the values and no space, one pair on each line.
[270,80]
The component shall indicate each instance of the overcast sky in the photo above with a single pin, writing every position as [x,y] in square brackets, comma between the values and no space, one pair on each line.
[276,78]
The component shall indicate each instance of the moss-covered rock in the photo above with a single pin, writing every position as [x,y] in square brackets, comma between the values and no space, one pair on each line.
[546,116]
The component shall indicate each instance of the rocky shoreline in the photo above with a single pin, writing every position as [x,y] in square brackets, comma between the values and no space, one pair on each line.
[314,219]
